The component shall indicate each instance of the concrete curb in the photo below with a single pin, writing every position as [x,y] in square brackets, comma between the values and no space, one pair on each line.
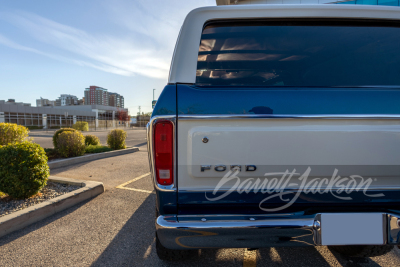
[39,135]
[66,162]
[20,219]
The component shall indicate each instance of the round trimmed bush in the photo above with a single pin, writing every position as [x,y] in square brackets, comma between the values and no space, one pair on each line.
[57,133]
[81,126]
[23,169]
[71,144]
[11,133]
[116,139]
[92,140]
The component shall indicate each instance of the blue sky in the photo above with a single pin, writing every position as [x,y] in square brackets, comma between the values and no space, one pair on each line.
[48,47]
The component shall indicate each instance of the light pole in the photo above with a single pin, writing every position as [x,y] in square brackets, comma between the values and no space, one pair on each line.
[66,117]
[140,122]
[153,103]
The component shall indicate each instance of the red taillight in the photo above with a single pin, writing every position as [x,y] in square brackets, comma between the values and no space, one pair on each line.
[163,152]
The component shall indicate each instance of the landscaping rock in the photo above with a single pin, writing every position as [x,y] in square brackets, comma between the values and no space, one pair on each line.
[51,190]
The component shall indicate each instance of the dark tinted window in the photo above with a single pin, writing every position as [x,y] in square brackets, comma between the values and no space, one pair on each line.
[317,54]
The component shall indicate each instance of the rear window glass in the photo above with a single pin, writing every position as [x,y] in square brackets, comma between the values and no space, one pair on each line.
[299,54]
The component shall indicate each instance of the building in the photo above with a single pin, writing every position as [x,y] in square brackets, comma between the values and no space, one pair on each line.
[95,95]
[42,102]
[116,100]
[42,117]
[61,116]
[345,2]
[67,100]
[63,100]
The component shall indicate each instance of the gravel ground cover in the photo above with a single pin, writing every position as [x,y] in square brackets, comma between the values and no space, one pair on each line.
[51,190]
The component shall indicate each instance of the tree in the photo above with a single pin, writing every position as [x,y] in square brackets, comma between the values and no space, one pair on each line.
[122,115]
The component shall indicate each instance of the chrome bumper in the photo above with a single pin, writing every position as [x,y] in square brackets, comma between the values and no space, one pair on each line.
[232,231]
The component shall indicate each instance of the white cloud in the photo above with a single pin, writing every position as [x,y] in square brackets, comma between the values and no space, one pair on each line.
[147,32]
[7,42]
[158,20]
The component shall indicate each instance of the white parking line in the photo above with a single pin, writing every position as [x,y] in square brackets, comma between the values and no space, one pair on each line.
[135,189]
[122,186]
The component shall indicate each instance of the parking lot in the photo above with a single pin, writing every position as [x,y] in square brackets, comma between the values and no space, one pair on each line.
[117,227]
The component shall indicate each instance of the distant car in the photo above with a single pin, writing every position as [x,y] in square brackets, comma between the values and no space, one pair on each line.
[280,126]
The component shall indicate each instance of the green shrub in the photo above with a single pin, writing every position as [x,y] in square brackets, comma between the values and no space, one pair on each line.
[51,153]
[23,169]
[57,133]
[71,144]
[116,139]
[92,140]
[97,149]
[11,133]
[34,127]
[81,126]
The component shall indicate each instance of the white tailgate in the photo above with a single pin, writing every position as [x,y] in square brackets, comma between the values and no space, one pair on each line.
[266,142]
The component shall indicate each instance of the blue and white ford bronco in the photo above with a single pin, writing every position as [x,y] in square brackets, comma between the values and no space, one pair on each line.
[280,126]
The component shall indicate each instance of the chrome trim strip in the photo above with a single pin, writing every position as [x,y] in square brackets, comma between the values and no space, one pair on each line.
[306,221]
[289,116]
[234,215]
[150,129]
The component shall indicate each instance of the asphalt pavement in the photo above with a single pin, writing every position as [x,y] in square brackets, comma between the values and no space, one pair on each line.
[117,227]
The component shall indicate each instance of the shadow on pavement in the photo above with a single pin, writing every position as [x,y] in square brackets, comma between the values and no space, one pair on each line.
[33,227]
[134,241]
[134,245]
[352,261]
[54,171]
[290,256]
